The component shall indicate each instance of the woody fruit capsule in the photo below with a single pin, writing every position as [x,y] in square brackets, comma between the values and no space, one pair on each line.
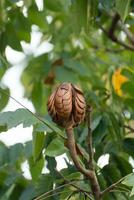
[66,105]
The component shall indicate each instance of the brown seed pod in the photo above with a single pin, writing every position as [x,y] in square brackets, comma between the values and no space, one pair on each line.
[79,105]
[66,105]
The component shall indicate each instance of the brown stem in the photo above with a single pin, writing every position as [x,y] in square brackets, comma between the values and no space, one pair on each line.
[129,128]
[117,41]
[111,33]
[73,153]
[94,182]
[90,173]
[113,26]
[89,139]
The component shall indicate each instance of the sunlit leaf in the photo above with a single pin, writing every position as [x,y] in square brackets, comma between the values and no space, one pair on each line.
[129,180]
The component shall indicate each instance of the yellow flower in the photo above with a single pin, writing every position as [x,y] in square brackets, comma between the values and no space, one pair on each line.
[117,80]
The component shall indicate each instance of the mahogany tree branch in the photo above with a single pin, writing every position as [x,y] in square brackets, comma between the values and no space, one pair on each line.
[117,41]
[111,33]
[90,173]
[113,26]
[72,148]
[89,139]
[94,182]
[128,33]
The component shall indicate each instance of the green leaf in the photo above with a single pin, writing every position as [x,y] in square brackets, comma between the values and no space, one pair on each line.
[28,149]
[3,97]
[128,145]
[77,67]
[108,5]
[65,75]
[44,184]
[12,39]
[40,127]
[36,167]
[28,193]
[38,144]
[21,116]
[129,180]
[14,118]
[37,96]
[54,128]
[122,7]
[128,72]
[55,148]
[113,171]
[79,15]
[12,178]
[37,17]
[128,88]
[16,153]
[57,5]
[73,176]
[7,194]
[95,122]
[100,131]
[132,192]
[3,66]
[3,154]
[93,8]
[129,102]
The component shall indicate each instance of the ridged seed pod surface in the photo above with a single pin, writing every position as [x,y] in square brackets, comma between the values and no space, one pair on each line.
[66,105]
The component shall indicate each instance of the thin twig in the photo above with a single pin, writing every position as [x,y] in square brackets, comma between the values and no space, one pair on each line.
[111,187]
[129,128]
[112,28]
[102,48]
[129,34]
[74,192]
[73,152]
[111,33]
[53,190]
[89,139]
[56,193]
[117,41]
[72,184]
[94,182]
[36,116]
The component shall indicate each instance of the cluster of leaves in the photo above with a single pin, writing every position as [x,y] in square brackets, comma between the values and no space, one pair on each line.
[83,54]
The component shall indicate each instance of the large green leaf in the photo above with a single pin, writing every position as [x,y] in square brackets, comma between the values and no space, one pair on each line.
[55,148]
[129,180]
[7,194]
[21,116]
[38,144]
[16,153]
[57,5]
[4,97]
[122,7]
[128,88]
[3,154]
[45,183]
[28,194]
[79,16]
[36,167]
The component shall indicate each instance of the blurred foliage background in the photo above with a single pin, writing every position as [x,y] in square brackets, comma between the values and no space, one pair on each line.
[93,47]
